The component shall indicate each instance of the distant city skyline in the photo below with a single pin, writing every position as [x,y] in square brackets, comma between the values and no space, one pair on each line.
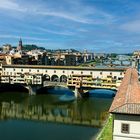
[97,25]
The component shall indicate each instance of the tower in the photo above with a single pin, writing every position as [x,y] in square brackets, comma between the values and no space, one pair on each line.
[19,45]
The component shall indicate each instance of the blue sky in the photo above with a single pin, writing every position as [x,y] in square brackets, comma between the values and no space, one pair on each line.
[95,25]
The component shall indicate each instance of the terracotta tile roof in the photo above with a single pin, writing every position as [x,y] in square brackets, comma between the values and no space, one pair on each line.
[127,99]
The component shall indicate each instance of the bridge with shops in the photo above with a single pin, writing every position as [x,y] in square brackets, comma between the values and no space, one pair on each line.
[34,77]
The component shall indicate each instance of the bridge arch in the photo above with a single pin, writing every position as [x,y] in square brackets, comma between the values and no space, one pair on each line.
[55,78]
[46,77]
[19,88]
[63,78]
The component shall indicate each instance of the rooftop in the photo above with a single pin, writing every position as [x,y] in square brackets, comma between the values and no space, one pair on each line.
[127,99]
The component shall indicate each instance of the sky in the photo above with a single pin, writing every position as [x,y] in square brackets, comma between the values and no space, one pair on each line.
[107,26]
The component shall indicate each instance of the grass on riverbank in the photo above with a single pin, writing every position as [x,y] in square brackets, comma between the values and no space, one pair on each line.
[106,133]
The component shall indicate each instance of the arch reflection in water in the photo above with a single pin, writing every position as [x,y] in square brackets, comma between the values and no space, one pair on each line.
[91,112]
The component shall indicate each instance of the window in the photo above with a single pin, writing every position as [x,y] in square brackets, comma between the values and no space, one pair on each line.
[46,70]
[115,77]
[81,72]
[90,72]
[14,69]
[63,71]
[72,72]
[101,73]
[54,71]
[29,70]
[120,73]
[125,128]
[37,70]
[21,69]
[110,73]
[120,78]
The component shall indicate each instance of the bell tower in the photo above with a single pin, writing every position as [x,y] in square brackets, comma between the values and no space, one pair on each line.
[20,45]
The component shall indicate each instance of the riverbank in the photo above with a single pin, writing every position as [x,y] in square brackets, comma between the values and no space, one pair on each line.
[106,132]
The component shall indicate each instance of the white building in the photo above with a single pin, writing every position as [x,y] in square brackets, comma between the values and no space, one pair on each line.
[126,108]
[6,48]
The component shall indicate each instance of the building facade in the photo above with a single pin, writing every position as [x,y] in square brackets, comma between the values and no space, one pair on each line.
[126,108]
[59,71]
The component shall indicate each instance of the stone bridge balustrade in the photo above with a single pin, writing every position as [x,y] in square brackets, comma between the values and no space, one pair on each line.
[50,84]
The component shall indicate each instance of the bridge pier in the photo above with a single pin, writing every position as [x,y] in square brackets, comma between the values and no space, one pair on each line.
[33,89]
[77,92]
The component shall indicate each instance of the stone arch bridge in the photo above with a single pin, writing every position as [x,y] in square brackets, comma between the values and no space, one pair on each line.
[33,76]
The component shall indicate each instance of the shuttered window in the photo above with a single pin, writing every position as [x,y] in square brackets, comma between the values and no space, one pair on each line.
[125,128]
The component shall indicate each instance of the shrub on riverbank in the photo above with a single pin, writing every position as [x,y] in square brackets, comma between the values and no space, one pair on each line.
[106,133]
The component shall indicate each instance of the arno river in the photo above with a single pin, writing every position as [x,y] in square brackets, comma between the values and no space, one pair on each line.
[45,117]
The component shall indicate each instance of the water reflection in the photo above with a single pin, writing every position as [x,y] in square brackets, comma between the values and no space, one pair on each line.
[47,108]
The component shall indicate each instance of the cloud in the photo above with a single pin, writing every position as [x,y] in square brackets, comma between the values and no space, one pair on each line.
[82,30]
[81,14]
[11,5]
[72,11]
[56,32]
[23,37]
[64,15]
[132,26]
[104,26]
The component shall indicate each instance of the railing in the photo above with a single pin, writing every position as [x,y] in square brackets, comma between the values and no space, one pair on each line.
[49,83]
[93,84]
[19,80]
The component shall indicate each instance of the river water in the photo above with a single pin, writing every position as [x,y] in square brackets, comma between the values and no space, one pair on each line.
[45,117]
